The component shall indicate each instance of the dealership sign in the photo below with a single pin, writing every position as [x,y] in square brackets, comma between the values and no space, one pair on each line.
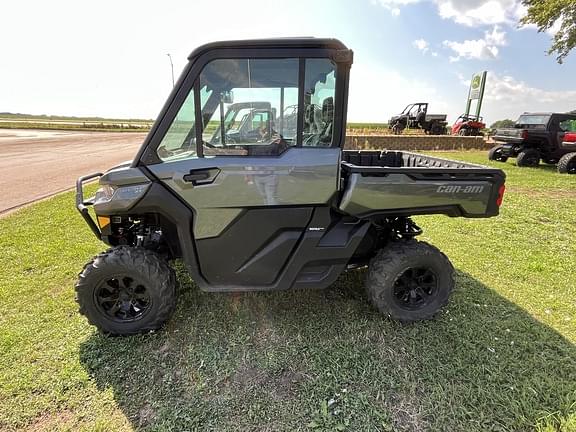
[476,85]
[476,91]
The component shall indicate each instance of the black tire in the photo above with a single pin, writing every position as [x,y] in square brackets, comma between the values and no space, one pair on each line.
[495,154]
[126,291]
[528,158]
[567,164]
[397,128]
[388,281]
[437,129]
[463,132]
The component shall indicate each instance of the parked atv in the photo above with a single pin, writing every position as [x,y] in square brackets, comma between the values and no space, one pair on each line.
[290,210]
[468,125]
[415,116]
[546,137]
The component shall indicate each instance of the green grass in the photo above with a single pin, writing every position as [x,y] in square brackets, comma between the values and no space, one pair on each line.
[352,125]
[29,121]
[500,357]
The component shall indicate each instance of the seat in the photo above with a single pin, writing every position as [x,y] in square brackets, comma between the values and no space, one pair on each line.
[325,135]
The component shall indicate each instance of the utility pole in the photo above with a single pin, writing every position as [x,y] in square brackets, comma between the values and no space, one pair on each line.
[171,67]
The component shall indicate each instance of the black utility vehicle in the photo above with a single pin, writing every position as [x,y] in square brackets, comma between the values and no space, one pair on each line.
[287,210]
[538,137]
[416,116]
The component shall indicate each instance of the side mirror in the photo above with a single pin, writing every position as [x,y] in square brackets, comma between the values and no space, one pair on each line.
[227,97]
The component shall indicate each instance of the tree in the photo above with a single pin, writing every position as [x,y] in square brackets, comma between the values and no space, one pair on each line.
[545,14]
[507,123]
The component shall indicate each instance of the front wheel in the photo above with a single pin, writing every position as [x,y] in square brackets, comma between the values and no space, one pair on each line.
[410,280]
[126,290]
[567,164]
[397,128]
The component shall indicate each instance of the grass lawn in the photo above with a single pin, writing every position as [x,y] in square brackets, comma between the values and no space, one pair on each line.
[500,357]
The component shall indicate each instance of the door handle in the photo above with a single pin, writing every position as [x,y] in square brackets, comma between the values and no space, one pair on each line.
[196,177]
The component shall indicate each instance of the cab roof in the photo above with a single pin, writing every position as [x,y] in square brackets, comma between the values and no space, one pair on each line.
[295,42]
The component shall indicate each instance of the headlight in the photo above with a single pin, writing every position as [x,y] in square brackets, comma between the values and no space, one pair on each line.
[105,193]
[110,198]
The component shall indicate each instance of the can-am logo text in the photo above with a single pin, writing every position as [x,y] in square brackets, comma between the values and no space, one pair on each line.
[460,189]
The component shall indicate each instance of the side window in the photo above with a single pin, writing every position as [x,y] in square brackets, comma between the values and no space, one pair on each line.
[252,108]
[568,126]
[319,93]
[180,139]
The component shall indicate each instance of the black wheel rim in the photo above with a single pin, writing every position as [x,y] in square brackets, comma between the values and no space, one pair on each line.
[415,288]
[571,167]
[122,298]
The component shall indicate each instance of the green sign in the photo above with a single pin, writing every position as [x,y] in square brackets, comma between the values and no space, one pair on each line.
[476,86]
[476,92]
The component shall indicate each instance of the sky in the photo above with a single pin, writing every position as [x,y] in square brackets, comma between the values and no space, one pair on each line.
[108,58]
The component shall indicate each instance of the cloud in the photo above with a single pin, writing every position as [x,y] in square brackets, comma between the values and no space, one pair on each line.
[368,104]
[505,88]
[478,49]
[394,5]
[472,13]
[421,44]
[475,13]
[508,97]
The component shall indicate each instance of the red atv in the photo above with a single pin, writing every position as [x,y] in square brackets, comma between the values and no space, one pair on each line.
[468,125]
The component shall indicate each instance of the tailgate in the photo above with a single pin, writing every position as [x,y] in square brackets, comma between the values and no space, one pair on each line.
[508,135]
[423,185]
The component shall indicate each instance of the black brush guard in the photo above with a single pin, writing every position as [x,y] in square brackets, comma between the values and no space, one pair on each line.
[83,205]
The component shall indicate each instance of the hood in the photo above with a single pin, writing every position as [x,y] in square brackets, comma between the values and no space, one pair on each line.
[125,164]
[123,174]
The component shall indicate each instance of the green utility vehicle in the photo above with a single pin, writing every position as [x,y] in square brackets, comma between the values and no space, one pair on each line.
[289,209]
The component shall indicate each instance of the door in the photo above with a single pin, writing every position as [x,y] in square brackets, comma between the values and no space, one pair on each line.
[253,189]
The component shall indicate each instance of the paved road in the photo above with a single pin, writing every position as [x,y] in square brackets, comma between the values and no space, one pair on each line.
[36,164]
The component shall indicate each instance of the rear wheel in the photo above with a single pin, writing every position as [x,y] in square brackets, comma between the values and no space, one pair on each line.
[463,132]
[410,280]
[496,154]
[528,158]
[126,291]
[437,129]
[567,164]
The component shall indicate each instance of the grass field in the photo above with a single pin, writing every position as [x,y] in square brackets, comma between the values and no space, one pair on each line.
[500,357]
[27,121]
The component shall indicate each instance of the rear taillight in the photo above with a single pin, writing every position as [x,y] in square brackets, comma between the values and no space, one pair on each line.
[570,137]
[500,195]
[524,134]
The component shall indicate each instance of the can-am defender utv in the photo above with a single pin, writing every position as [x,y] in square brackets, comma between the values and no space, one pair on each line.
[282,210]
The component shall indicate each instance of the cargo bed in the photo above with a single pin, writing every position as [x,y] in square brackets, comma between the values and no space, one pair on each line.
[396,183]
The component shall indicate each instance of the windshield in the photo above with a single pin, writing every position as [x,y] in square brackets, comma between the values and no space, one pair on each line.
[180,140]
[529,119]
